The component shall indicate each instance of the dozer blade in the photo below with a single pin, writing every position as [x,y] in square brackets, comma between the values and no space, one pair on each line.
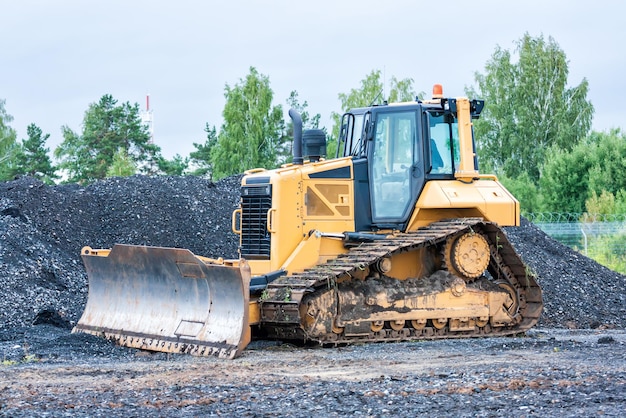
[166,299]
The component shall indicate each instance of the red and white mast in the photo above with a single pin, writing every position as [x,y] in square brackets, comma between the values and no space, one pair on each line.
[147,118]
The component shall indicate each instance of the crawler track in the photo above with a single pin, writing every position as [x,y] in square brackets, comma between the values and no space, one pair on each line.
[281,313]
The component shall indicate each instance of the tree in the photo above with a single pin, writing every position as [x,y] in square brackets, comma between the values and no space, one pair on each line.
[201,157]
[525,191]
[528,107]
[605,204]
[251,134]
[122,165]
[308,122]
[174,167]
[370,93]
[31,156]
[402,90]
[594,166]
[564,182]
[608,156]
[8,144]
[107,128]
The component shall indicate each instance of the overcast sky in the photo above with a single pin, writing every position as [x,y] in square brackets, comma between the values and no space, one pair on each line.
[59,56]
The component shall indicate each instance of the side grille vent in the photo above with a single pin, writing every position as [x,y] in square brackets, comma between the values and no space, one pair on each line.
[255,239]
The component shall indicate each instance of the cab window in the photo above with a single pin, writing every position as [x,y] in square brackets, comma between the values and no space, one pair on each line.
[443,143]
[393,157]
[355,128]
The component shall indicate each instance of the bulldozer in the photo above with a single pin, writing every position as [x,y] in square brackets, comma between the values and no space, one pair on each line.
[397,237]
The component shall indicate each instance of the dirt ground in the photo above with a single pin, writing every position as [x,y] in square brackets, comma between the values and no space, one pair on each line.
[548,372]
[572,365]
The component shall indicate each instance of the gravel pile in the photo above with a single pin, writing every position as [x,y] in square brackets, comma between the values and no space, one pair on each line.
[46,371]
[577,291]
[43,228]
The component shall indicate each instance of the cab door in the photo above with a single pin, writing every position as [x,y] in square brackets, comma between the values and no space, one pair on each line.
[396,174]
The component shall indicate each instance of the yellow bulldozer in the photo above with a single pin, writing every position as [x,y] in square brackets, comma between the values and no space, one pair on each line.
[398,237]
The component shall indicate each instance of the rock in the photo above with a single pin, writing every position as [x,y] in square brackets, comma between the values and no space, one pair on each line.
[606,340]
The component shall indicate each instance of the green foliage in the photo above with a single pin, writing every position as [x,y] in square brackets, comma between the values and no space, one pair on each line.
[8,144]
[27,358]
[31,156]
[590,180]
[608,250]
[122,165]
[564,182]
[604,204]
[401,90]
[308,122]
[200,159]
[30,358]
[609,160]
[595,165]
[107,128]
[607,203]
[620,202]
[528,108]
[525,191]
[174,167]
[370,93]
[251,135]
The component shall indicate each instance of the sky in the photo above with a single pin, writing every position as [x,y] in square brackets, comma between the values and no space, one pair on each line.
[58,57]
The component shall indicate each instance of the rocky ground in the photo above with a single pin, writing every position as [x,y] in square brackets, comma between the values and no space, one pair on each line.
[548,373]
[572,365]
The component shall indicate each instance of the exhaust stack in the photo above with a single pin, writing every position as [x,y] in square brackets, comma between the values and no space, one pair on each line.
[297,137]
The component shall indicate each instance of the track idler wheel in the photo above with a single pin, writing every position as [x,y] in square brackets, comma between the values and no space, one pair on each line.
[467,255]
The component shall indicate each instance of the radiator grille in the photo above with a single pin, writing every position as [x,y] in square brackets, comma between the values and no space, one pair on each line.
[255,239]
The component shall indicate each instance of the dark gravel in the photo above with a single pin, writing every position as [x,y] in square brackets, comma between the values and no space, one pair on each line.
[577,291]
[42,230]
[549,373]
[44,290]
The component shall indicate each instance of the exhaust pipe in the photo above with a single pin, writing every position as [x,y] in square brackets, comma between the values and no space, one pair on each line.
[297,137]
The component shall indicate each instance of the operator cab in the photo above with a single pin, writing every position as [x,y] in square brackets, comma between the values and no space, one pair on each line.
[402,146]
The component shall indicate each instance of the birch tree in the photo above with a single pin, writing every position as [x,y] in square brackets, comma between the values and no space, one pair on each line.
[528,107]
[252,132]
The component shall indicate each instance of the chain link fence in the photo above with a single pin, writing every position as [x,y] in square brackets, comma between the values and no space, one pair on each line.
[601,237]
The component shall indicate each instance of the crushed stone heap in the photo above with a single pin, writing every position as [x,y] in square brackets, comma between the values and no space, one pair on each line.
[43,228]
